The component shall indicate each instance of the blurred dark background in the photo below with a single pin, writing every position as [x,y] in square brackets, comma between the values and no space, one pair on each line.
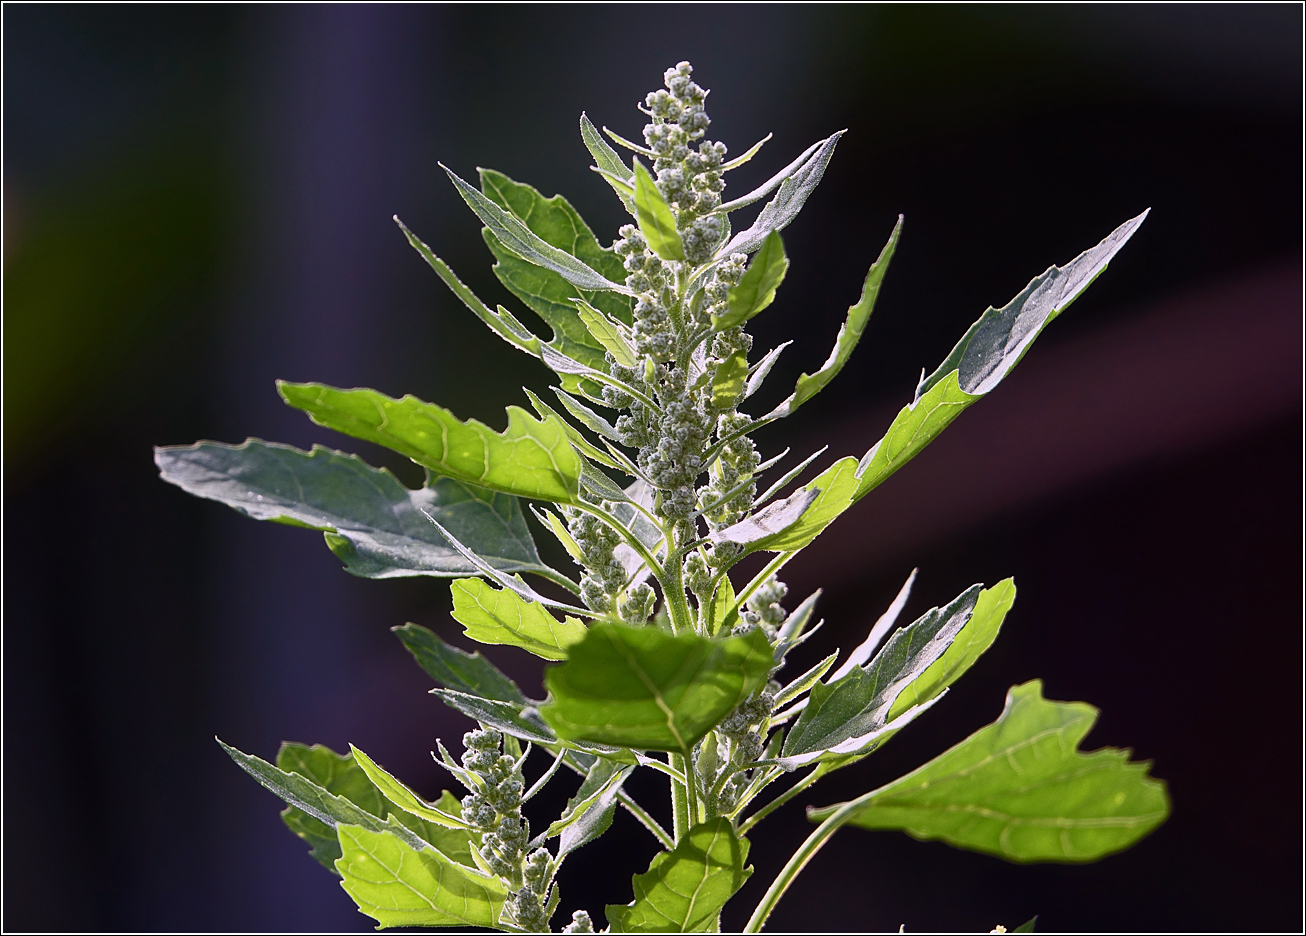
[197,201]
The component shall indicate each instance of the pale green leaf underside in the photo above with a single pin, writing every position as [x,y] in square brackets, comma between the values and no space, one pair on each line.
[684,890]
[501,616]
[642,688]
[397,885]
[589,812]
[531,458]
[1020,789]
[401,796]
[379,527]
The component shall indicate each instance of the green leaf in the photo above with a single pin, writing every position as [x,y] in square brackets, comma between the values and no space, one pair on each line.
[607,334]
[850,332]
[854,712]
[728,381]
[525,243]
[719,608]
[531,458]
[397,885]
[544,291]
[589,813]
[1020,789]
[337,774]
[457,669]
[608,161]
[794,190]
[401,796]
[378,523]
[643,688]
[517,720]
[978,634]
[1027,926]
[997,341]
[912,429]
[769,522]
[836,485]
[501,616]
[315,800]
[684,890]
[656,222]
[756,290]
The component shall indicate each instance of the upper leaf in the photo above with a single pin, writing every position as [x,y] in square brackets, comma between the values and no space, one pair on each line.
[525,243]
[608,161]
[546,292]
[756,289]
[787,202]
[1020,789]
[378,524]
[848,715]
[401,796]
[850,332]
[501,616]
[656,222]
[684,890]
[337,774]
[643,688]
[397,885]
[531,458]
[457,669]
[997,341]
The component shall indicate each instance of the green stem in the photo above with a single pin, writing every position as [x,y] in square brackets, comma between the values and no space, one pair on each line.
[679,800]
[646,820]
[805,853]
[780,800]
[772,567]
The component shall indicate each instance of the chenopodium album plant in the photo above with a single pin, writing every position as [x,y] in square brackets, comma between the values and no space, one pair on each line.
[662,662]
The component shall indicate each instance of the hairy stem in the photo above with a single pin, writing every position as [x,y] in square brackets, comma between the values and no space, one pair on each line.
[780,800]
[645,819]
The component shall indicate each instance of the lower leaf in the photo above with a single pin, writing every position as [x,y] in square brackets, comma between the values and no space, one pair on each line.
[683,890]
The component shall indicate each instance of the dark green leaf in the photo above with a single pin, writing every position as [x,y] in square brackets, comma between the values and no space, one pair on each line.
[531,458]
[1027,926]
[643,688]
[457,669]
[1020,789]
[378,523]
[656,222]
[787,202]
[756,290]
[501,616]
[850,332]
[853,712]
[525,243]
[397,885]
[684,890]
[304,794]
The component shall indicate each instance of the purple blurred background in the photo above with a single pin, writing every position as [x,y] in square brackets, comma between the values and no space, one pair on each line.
[197,201]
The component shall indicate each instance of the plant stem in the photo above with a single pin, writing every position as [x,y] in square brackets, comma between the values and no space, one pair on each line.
[799,861]
[646,820]
[780,800]
[679,800]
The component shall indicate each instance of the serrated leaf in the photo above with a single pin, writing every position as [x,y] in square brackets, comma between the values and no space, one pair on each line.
[501,616]
[520,721]
[787,201]
[397,885]
[515,235]
[656,222]
[531,458]
[997,341]
[337,774]
[457,669]
[728,381]
[684,890]
[304,794]
[978,634]
[589,812]
[377,521]
[1020,789]
[401,796]
[847,715]
[756,289]
[850,332]
[544,291]
[643,688]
